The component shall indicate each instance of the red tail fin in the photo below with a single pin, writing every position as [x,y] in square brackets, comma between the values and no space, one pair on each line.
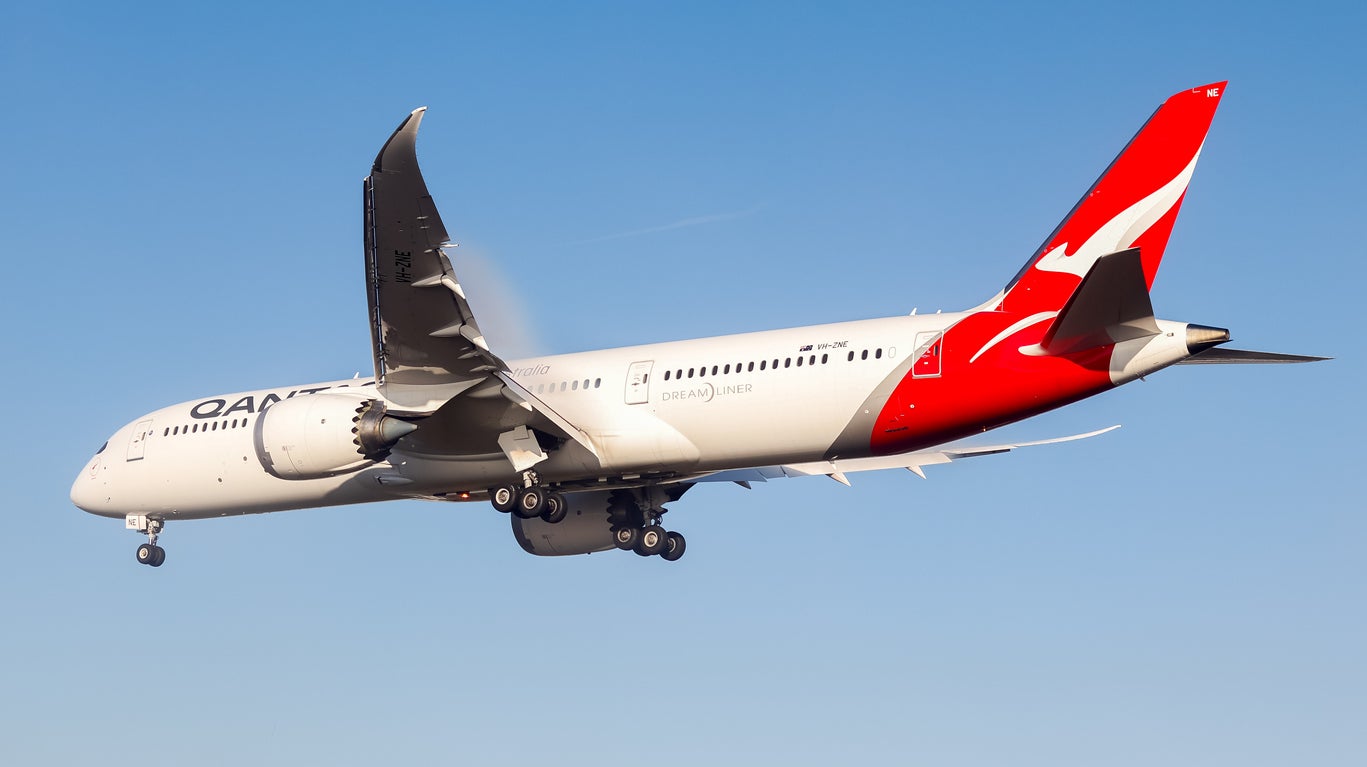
[1133,205]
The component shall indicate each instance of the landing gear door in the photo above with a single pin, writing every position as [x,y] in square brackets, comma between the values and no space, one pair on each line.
[638,382]
[138,443]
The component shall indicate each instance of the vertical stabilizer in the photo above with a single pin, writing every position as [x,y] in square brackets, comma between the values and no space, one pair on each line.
[1132,205]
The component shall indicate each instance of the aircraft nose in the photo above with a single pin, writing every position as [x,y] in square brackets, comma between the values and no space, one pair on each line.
[88,491]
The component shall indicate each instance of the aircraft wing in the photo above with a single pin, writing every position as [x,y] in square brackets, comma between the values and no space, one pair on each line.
[914,461]
[427,345]
[430,355]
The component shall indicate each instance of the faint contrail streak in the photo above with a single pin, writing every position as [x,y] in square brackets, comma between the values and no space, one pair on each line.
[680,224]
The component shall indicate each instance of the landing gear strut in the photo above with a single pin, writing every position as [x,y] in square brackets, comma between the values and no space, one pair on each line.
[149,553]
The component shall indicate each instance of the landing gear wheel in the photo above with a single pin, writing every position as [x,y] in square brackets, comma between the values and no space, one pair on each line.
[652,542]
[503,497]
[625,538]
[530,503]
[674,547]
[151,555]
[556,508]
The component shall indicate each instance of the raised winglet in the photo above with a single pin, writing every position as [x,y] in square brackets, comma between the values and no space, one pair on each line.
[403,139]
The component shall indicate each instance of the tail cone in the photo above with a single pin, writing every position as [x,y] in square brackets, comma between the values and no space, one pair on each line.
[1201,337]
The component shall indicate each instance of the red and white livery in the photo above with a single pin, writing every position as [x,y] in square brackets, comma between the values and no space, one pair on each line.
[585,450]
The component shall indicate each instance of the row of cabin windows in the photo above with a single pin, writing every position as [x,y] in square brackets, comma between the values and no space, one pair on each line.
[750,367]
[877,354]
[569,386]
[199,428]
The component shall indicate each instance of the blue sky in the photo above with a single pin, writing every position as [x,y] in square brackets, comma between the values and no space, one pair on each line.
[183,218]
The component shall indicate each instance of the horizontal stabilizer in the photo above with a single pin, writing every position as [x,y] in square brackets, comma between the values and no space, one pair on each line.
[1222,356]
[1110,304]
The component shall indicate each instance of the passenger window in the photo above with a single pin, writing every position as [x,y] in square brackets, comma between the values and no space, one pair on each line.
[575,386]
[666,375]
[564,385]
[799,362]
[762,363]
[878,354]
[714,370]
[851,357]
[864,354]
[824,358]
[727,369]
[690,372]
[597,382]
[811,360]
[787,362]
[750,368]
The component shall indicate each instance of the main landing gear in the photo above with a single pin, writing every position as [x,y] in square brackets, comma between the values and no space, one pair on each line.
[649,541]
[636,526]
[531,500]
[149,553]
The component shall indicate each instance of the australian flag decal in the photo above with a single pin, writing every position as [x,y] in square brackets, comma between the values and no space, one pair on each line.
[806,348]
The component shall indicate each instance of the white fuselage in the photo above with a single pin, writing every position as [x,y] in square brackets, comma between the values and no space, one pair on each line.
[677,409]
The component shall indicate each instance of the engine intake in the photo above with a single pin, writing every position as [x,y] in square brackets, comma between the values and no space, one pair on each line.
[322,435]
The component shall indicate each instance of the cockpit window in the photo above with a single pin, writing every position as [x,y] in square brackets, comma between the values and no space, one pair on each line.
[102,447]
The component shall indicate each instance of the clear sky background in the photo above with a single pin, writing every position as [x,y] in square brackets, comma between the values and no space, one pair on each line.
[182,217]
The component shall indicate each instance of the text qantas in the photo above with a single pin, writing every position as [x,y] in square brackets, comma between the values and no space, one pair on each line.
[219,408]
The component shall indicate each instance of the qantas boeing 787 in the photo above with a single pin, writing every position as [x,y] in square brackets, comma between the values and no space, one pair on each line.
[586,449]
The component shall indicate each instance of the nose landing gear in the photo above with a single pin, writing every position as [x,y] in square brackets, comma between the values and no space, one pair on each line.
[149,553]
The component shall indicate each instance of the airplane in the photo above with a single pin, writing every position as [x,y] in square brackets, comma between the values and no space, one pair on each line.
[585,450]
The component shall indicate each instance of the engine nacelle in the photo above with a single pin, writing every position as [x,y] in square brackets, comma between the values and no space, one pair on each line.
[585,529]
[321,435]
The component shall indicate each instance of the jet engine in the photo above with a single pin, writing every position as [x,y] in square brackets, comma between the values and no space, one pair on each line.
[321,435]
[586,528]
